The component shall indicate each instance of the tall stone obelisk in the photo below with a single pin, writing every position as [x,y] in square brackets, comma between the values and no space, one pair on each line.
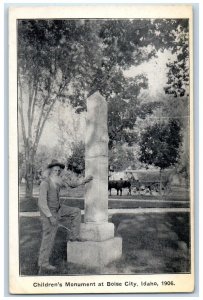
[99,246]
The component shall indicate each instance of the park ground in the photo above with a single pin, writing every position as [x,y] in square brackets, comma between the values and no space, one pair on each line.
[155,235]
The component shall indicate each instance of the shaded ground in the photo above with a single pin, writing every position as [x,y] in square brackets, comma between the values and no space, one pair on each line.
[152,243]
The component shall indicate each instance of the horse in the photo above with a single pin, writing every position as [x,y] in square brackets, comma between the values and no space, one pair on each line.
[119,185]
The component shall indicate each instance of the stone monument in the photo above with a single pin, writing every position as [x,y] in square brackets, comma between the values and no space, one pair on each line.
[99,246]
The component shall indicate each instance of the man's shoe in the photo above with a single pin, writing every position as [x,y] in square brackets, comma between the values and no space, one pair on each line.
[46,268]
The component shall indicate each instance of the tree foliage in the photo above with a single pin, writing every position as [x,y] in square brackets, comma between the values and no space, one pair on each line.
[178,74]
[76,161]
[68,60]
[159,145]
[120,158]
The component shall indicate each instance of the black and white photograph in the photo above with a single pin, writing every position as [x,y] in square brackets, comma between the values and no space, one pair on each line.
[101,143]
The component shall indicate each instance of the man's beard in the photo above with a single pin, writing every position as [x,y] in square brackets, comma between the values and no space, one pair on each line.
[57,180]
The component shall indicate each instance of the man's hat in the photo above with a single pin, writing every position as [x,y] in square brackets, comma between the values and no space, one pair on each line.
[55,163]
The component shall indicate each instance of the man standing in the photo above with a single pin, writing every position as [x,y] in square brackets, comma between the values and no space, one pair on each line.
[54,213]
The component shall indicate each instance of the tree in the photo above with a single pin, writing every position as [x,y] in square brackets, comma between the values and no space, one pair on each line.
[160,144]
[72,59]
[43,157]
[178,86]
[120,157]
[21,166]
[178,74]
[40,83]
[76,161]
[69,133]
[123,109]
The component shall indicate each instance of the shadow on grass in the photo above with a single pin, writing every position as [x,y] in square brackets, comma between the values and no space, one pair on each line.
[152,244]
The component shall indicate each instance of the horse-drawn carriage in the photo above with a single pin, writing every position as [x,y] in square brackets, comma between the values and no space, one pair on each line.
[141,182]
[149,181]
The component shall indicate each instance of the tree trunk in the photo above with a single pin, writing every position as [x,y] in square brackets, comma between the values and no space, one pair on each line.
[29,187]
[29,174]
[160,182]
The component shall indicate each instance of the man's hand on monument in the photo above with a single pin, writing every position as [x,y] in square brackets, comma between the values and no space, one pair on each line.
[53,221]
[88,179]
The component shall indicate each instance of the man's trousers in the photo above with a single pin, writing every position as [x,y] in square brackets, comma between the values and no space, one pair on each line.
[69,217]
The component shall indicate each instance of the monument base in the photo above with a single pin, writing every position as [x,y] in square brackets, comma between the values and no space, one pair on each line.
[96,232]
[94,254]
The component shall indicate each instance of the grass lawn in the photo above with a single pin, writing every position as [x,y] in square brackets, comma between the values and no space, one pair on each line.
[152,243]
[177,192]
[30,205]
[179,198]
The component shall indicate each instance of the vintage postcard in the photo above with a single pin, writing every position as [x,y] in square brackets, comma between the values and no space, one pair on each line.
[101,149]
